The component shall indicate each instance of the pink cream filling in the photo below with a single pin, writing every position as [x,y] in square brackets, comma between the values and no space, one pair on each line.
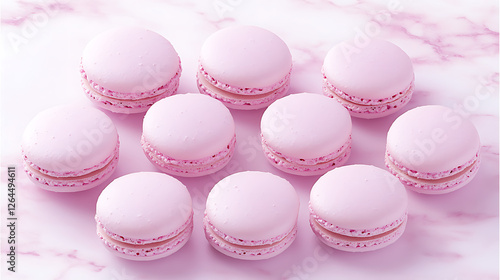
[182,165]
[367,101]
[131,95]
[140,241]
[433,175]
[71,174]
[243,91]
[358,233]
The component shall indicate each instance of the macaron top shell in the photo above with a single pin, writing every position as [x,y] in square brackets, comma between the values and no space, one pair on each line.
[246,57]
[144,205]
[306,125]
[253,205]
[130,60]
[378,70]
[69,138]
[359,197]
[188,126]
[431,139]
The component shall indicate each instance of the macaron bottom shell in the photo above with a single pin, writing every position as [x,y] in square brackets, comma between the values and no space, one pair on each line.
[357,244]
[137,104]
[365,111]
[187,168]
[297,166]
[434,186]
[241,101]
[146,252]
[242,252]
[72,184]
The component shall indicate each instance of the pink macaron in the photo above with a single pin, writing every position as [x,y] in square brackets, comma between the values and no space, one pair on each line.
[188,135]
[127,69]
[251,215]
[371,81]
[358,208]
[245,67]
[433,149]
[70,148]
[144,216]
[306,134]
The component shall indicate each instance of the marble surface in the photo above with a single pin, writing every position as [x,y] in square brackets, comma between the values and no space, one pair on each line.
[454,48]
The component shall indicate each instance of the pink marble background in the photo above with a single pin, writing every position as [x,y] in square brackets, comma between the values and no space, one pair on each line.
[454,48]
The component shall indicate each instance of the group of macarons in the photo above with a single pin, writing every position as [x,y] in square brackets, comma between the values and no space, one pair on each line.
[249,215]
